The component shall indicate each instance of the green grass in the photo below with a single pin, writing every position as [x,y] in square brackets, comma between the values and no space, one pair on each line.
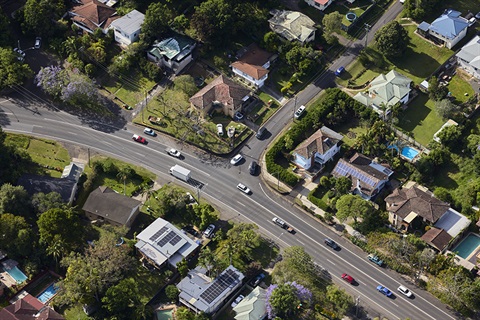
[350,126]
[127,92]
[458,87]
[76,313]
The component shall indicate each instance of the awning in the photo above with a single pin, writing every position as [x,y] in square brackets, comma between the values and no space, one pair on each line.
[424,26]
[412,215]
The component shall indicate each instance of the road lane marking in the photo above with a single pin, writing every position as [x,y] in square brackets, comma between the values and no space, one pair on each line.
[396,305]
[241,204]
[330,262]
[72,133]
[301,242]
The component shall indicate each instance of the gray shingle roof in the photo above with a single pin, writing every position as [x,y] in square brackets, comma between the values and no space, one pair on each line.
[471,52]
[130,22]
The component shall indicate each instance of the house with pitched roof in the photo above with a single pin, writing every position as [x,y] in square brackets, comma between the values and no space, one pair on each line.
[162,243]
[448,29]
[368,176]
[320,147]
[29,308]
[414,206]
[127,28]
[173,53]
[319,4]
[385,91]
[92,15]
[292,26]
[469,57]
[106,205]
[223,94]
[253,64]
[253,306]
[199,292]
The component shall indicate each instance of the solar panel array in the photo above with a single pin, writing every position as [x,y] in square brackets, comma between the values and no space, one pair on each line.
[345,170]
[167,238]
[157,234]
[175,240]
[387,171]
[224,281]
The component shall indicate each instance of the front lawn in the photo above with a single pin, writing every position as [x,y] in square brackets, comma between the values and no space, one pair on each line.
[130,91]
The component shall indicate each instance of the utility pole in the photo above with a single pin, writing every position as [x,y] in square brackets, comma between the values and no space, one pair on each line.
[367,29]
[294,108]
[357,302]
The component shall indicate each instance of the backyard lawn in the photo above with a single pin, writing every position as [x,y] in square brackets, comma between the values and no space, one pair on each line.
[458,86]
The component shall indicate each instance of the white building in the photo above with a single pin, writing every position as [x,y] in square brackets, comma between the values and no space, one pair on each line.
[448,29]
[319,4]
[173,53]
[127,28]
[253,65]
[469,57]
[292,25]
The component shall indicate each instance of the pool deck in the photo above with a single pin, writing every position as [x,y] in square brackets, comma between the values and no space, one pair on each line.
[473,258]
[7,279]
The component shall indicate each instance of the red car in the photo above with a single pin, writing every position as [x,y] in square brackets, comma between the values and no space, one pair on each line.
[138,138]
[348,278]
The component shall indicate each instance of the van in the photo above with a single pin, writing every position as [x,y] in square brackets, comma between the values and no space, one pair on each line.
[299,112]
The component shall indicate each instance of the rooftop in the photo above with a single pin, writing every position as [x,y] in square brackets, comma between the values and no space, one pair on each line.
[450,24]
[129,23]
[321,141]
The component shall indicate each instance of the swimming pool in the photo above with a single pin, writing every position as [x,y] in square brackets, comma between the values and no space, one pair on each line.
[409,152]
[48,293]
[467,246]
[166,314]
[17,274]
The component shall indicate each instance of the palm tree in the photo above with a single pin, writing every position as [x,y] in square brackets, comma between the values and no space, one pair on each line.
[206,259]
[124,173]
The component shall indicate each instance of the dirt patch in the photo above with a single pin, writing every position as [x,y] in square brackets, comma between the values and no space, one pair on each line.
[78,153]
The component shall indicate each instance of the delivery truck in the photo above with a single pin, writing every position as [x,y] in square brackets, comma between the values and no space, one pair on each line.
[180,172]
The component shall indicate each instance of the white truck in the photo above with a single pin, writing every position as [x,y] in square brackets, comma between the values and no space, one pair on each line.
[180,172]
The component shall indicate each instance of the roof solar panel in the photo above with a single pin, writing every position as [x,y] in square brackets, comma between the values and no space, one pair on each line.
[345,170]
[225,280]
[387,171]
[167,238]
[157,234]
[175,240]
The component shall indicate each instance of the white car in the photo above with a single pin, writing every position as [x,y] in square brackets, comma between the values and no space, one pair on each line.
[299,112]
[209,231]
[149,131]
[237,301]
[38,42]
[220,129]
[243,188]
[235,160]
[174,152]
[403,290]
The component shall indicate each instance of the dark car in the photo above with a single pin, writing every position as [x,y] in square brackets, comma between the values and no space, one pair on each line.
[339,71]
[256,281]
[329,242]
[252,168]
[261,132]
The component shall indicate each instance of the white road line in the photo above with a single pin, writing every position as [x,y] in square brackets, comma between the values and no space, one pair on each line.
[396,305]
[72,133]
[301,242]
[241,204]
[330,262]
[35,126]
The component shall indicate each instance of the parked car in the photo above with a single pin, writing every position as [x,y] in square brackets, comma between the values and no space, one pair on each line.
[384,290]
[235,160]
[38,42]
[174,152]
[404,290]
[471,21]
[256,281]
[238,116]
[150,132]
[348,278]
[138,138]
[329,242]
[243,188]
[375,259]
[260,133]
[209,231]
[237,301]
[477,16]
[299,112]
[339,71]
[252,168]
[20,54]
[220,129]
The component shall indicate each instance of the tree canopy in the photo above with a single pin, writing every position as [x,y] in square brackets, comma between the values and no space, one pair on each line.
[16,235]
[157,19]
[392,40]
[37,12]
[213,20]
[12,71]
[352,206]
[15,200]
[445,108]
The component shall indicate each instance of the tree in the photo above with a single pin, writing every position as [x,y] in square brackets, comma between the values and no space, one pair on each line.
[283,301]
[15,200]
[157,19]
[340,300]
[182,268]
[183,313]
[450,137]
[124,173]
[351,206]
[445,108]
[37,12]
[435,91]
[332,22]
[213,20]
[4,30]
[342,185]
[172,292]
[185,83]
[16,235]
[297,56]
[392,39]
[42,202]
[122,300]
[271,41]
[13,71]
[180,23]
[207,260]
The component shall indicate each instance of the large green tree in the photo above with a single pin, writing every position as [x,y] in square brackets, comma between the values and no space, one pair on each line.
[38,16]
[12,71]
[157,19]
[4,30]
[352,206]
[340,300]
[392,40]
[284,301]
[42,202]
[445,108]
[213,20]
[16,235]
[15,200]
[122,301]
[332,22]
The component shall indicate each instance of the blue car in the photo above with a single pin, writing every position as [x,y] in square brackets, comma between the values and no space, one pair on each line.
[339,71]
[384,290]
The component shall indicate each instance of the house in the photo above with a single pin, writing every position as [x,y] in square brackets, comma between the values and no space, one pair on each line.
[292,25]
[253,306]
[414,205]
[127,28]
[386,91]
[469,57]
[439,239]
[447,30]
[29,308]
[106,205]
[221,93]
[319,4]
[174,53]
[367,175]
[66,186]
[253,65]
[93,15]
[162,243]
[200,293]
[320,147]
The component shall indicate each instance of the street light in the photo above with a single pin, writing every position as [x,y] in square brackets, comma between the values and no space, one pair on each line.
[278,179]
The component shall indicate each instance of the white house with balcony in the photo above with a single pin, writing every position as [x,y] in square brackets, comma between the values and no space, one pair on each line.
[253,65]
[448,29]
[127,28]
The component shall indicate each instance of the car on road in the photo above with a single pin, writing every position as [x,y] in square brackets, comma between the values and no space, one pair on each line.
[38,42]
[150,132]
[138,138]
[348,278]
[209,231]
[339,71]
[260,133]
[237,301]
[299,112]
[279,222]
[329,242]
[174,152]
[235,160]
[404,290]
[220,129]
[256,281]
[243,188]
[238,116]
[252,168]
[375,259]
[384,290]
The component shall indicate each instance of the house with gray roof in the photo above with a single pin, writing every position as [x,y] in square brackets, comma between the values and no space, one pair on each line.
[127,28]
[386,91]
[162,243]
[106,205]
[368,176]
[469,57]
[200,293]
[292,25]
[174,53]
[320,147]
[448,29]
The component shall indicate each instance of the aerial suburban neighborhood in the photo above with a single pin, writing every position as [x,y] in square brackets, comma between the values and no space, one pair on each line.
[247,160]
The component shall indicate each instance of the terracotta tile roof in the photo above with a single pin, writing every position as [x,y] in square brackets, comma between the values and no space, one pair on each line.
[322,2]
[437,238]
[222,90]
[29,308]
[93,14]
[252,61]
[321,141]
[256,72]
[403,201]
